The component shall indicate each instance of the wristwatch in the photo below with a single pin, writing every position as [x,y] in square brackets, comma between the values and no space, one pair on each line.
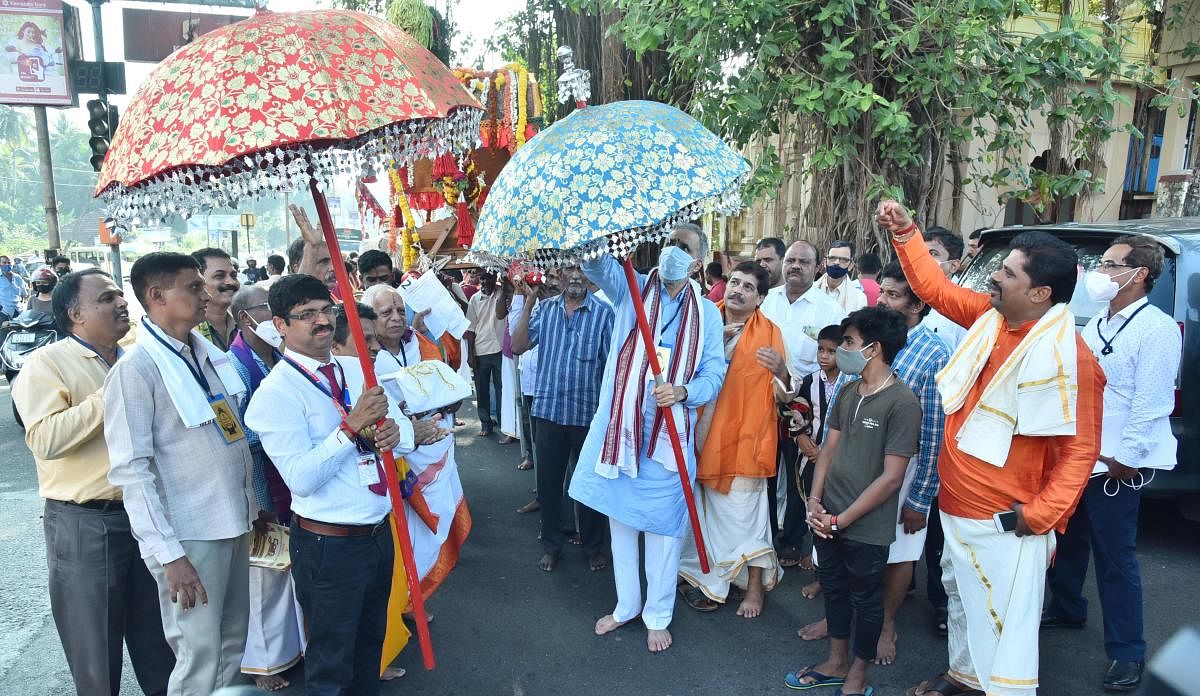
[833,525]
[685,394]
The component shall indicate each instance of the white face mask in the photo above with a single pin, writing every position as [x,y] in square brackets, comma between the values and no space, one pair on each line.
[267,332]
[1101,287]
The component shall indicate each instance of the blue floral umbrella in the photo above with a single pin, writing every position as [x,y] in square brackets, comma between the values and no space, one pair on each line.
[604,180]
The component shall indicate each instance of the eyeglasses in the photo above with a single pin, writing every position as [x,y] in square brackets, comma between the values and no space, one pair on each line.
[840,260]
[1109,265]
[308,316]
[251,308]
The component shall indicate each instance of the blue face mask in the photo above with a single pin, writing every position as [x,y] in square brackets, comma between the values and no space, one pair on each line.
[835,272]
[6,268]
[673,264]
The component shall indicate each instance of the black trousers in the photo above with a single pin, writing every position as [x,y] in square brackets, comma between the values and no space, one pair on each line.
[527,429]
[102,594]
[851,575]
[934,541]
[793,526]
[554,447]
[342,584]
[487,386]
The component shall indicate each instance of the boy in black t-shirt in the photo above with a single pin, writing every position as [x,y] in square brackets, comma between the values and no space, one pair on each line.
[874,429]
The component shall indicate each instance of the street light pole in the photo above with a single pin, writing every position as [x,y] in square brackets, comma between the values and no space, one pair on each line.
[50,200]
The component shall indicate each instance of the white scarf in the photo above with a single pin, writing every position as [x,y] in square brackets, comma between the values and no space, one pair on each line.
[186,394]
[1033,392]
[632,385]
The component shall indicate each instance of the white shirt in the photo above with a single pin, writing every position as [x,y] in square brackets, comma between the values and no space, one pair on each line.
[800,322]
[298,425]
[526,361]
[947,331]
[849,295]
[1140,394]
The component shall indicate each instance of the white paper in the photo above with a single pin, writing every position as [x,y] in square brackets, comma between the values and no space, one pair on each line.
[427,292]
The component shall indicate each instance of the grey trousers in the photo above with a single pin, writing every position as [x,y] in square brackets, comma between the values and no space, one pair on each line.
[208,640]
[102,595]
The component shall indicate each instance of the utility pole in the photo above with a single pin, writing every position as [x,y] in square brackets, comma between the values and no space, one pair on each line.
[98,33]
[50,201]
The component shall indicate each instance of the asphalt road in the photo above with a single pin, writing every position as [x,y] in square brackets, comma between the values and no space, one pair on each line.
[504,627]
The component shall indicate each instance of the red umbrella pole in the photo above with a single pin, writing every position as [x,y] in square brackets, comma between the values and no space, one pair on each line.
[644,328]
[389,461]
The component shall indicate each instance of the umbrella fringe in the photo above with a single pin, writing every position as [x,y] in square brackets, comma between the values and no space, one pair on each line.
[272,171]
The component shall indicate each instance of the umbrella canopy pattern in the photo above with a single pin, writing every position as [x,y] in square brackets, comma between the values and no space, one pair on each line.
[604,180]
[258,107]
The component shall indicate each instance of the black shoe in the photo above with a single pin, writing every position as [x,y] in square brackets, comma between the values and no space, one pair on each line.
[1123,675]
[1051,621]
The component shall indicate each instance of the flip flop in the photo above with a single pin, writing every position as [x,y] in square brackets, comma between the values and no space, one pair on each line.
[792,680]
[869,692]
[943,687]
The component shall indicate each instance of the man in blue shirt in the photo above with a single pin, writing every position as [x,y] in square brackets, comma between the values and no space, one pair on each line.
[12,289]
[627,467]
[572,332]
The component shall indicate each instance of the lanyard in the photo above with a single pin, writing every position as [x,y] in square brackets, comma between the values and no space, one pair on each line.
[1108,349]
[343,405]
[92,348]
[403,355]
[196,370]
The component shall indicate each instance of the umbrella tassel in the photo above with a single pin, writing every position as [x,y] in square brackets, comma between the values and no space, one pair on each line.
[466,226]
[389,461]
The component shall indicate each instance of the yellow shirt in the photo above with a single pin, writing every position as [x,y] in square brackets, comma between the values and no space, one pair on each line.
[58,395]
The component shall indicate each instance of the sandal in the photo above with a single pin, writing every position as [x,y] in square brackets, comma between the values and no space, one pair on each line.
[697,599]
[942,686]
[870,691]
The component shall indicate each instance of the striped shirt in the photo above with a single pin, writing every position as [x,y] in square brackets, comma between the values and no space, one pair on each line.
[917,365]
[572,352]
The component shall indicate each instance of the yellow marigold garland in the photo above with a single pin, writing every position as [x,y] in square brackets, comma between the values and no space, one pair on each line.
[522,108]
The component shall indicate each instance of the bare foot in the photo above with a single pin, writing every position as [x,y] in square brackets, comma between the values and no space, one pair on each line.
[752,605]
[597,562]
[532,506]
[608,623]
[392,673]
[547,562]
[658,641]
[817,630]
[525,465]
[885,652]
[806,563]
[811,590]
[271,682]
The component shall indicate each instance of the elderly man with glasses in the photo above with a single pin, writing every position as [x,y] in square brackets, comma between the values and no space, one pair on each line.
[836,282]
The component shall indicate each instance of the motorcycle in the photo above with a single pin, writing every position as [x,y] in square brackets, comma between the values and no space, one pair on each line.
[24,334]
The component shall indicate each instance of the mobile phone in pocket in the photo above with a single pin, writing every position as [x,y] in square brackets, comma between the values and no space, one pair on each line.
[1006,521]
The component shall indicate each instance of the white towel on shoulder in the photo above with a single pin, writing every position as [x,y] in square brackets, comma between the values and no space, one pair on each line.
[189,398]
[1033,392]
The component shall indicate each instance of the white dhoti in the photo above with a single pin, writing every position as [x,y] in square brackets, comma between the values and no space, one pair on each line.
[275,635]
[737,536]
[907,547]
[438,521]
[995,583]
[509,392]
[662,567]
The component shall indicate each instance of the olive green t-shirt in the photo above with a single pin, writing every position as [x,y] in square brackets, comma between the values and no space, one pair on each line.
[885,423]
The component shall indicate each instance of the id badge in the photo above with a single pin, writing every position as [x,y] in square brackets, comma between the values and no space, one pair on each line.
[368,470]
[227,421]
[664,357]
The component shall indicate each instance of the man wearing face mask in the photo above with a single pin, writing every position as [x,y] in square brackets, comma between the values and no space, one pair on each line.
[627,466]
[1023,402]
[274,641]
[221,282]
[836,283]
[61,265]
[43,282]
[12,289]
[1138,346]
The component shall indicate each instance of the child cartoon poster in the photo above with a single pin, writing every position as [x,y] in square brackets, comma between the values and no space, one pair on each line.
[32,62]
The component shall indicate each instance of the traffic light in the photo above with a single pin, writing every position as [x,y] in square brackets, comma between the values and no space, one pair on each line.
[102,122]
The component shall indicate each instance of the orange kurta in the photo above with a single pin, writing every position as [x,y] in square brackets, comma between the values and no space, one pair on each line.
[743,438]
[1047,474]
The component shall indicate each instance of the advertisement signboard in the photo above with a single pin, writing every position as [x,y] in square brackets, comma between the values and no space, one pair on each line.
[152,35]
[33,69]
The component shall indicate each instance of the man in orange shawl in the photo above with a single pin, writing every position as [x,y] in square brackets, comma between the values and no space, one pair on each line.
[737,455]
[1024,403]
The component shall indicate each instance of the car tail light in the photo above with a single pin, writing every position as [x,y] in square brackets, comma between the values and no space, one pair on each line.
[1178,400]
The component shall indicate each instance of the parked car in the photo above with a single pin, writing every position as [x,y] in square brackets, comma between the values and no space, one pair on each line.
[1177,292]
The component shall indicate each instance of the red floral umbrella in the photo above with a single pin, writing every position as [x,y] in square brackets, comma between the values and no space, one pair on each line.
[278,102]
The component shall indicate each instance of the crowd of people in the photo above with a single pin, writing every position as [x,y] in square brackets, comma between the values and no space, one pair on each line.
[836,414]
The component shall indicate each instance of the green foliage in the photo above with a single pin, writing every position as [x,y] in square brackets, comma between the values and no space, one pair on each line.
[881,94]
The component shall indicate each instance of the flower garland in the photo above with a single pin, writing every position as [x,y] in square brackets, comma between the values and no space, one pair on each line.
[522,108]
[410,237]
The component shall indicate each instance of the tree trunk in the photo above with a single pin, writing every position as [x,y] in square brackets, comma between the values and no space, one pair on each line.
[1191,200]
[612,61]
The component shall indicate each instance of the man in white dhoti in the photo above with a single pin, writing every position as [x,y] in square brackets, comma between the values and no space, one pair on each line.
[1023,398]
[737,455]
[627,467]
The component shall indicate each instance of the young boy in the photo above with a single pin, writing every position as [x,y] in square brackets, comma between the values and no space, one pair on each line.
[820,388]
[853,503]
